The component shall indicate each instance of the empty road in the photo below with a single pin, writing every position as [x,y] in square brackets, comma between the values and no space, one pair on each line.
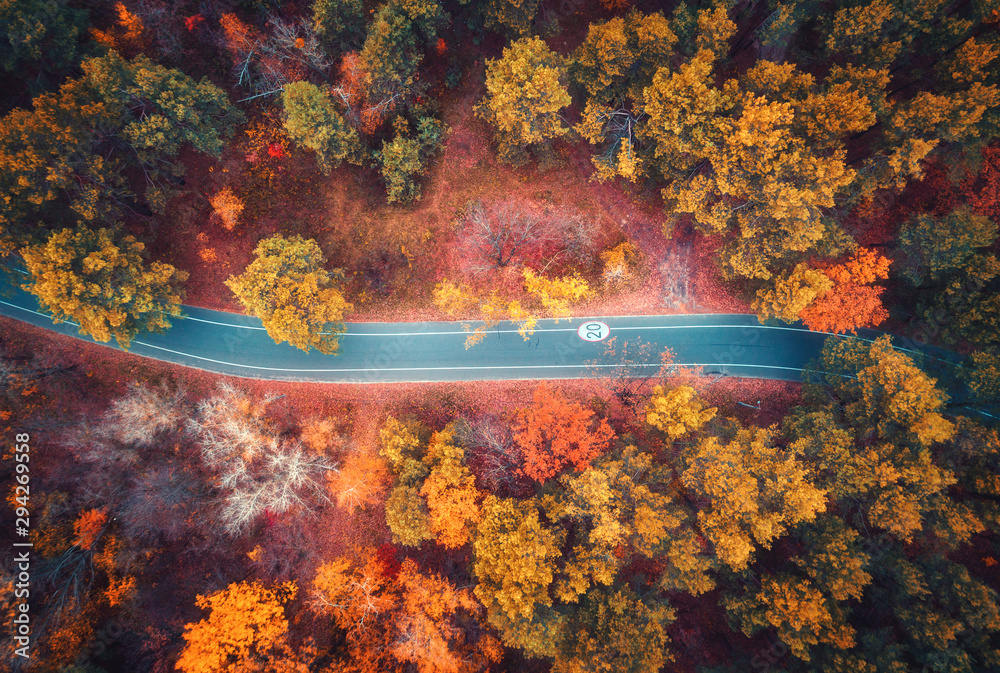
[227,343]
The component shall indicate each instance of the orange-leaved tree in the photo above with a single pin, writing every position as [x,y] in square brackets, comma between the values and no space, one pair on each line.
[854,301]
[356,596]
[246,627]
[450,491]
[555,432]
[437,628]
[360,481]
[88,527]
[128,36]
[395,615]
[227,206]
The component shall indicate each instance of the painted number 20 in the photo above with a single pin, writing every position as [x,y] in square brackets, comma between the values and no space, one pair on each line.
[593,331]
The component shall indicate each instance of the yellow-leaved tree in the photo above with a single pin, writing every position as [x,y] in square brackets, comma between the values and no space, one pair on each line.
[614,64]
[760,160]
[101,280]
[619,56]
[677,411]
[287,287]
[525,90]
[548,297]
[619,264]
[227,206]
[876,419]
[810,607]
[620,509]
[798,610]
[753,492]
[686,112]
[790,293]
[617,630]
[516,559]
[556,294]
[312,122]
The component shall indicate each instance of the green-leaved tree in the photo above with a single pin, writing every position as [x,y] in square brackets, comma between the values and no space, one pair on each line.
[312,122]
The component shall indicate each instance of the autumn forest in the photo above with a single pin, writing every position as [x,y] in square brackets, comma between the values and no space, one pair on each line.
[827,163]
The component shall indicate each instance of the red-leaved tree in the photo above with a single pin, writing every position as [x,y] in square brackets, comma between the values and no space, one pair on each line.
[354,92]
[555,432]
[854,301]
[983,190]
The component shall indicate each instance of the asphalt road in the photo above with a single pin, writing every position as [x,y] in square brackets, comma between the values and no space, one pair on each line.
[227,343]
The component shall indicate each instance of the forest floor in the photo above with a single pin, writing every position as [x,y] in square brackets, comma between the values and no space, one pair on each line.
[393,256]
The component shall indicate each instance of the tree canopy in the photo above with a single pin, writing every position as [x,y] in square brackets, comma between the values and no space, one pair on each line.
[312,121]
[245,625]
[102,280]
[525,90]
[72,146]
[287,287]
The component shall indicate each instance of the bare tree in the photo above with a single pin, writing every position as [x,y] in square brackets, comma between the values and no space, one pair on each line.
[675,276]
[105,456]
[264,64]
[576,235]
[229,425]
[161,501]
[21,380]
[507,232]
[255,470]
[163,23]
[494,456]
[503,233]
[632,369]
[144,413]
[287,480]
[296,41]
[67,579]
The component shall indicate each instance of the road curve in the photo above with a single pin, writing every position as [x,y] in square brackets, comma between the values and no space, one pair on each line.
[228,343]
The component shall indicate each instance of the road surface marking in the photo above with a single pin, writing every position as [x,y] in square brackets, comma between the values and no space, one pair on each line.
[455,368]
[446,333]
[595,330]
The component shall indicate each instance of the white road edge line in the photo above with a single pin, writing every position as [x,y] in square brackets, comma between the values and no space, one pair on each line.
[44,315]
[561,329]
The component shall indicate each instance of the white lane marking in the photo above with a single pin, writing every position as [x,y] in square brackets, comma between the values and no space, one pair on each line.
[224,324]
[558,329]
[455,368]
